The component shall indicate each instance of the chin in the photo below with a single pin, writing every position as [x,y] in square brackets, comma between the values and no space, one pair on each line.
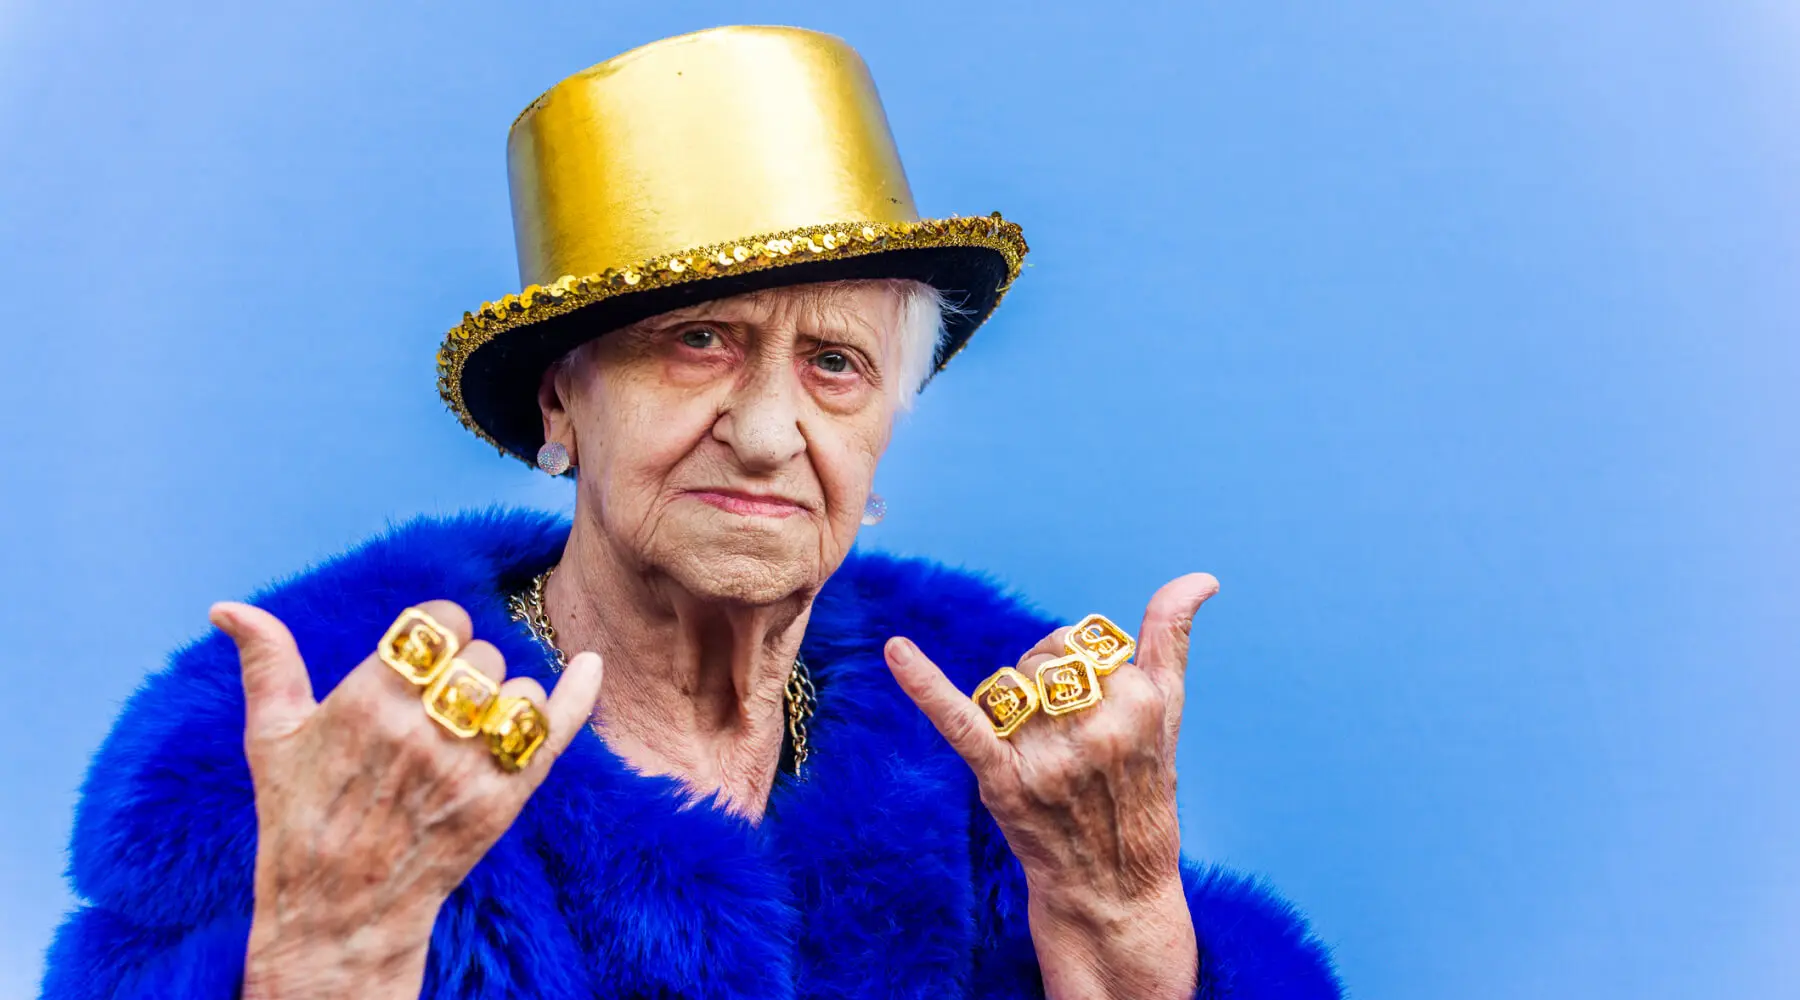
[744,566]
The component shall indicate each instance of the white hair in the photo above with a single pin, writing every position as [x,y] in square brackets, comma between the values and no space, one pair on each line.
[922,313]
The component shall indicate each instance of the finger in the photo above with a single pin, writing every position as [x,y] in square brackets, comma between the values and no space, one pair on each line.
[482,655]
[278,694]
[571,705]
[450,615]
[1049,647]
[526,688]
[372,678]
[533,692]
[955,716]
[1168,621]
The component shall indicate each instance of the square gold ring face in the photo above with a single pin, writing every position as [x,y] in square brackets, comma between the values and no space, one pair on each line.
[1098,639]
[460,697]
[417,646]
[1007,699]
[515,729]
[1068,684]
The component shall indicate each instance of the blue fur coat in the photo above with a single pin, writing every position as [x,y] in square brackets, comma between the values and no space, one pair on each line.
[879,875]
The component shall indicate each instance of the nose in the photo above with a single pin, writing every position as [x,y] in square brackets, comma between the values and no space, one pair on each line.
[761,419]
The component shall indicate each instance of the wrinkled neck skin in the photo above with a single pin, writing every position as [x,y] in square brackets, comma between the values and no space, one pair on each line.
[694,688]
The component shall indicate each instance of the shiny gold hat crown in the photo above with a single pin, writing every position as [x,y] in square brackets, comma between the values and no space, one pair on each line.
[696,168]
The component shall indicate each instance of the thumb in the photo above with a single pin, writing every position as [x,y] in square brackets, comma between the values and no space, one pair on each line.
[1168,621]
[278,693]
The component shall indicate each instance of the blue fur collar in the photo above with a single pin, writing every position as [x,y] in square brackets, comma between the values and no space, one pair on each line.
[878,875]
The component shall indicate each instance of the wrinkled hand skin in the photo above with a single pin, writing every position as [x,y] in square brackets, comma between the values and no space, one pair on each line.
[1087,804]
[368,812]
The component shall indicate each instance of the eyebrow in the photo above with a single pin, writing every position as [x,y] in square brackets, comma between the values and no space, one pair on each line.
[686,314]
[816,314]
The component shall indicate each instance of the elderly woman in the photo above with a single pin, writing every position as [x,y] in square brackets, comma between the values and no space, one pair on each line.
[688,745]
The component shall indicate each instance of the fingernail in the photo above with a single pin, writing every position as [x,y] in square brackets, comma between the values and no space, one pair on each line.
[901,650]
[222,615]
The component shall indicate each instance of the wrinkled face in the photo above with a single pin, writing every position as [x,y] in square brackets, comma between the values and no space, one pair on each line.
[731,446]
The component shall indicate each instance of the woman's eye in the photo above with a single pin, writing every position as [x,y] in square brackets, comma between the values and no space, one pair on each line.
[699,337]
[833,361]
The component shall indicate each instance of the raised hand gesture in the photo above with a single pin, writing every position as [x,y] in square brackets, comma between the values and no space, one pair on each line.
[369,809]
[1075,757]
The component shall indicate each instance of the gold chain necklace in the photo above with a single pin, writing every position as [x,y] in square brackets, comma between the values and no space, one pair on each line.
[801,698]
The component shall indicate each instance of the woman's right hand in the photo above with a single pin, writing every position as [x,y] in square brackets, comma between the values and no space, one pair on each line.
[368,812]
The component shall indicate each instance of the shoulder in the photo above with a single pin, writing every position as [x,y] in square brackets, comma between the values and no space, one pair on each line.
[165,825]
[965,620]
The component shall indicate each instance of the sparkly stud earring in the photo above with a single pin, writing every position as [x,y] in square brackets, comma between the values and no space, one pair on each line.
[553,458]
[874,510]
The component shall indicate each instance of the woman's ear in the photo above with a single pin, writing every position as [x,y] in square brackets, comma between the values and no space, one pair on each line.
[552,388]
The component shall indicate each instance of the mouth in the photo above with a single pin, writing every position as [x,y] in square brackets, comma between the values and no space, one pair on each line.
[748,504]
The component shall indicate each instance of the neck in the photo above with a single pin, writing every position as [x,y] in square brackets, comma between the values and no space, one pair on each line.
[694,688]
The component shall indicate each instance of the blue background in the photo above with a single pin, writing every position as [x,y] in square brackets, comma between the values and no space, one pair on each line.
[1459,343]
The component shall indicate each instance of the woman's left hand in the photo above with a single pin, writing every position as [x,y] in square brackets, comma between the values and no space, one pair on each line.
[1086,801]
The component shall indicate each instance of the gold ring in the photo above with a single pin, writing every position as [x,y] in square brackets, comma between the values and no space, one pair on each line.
[1068,684]
[1107,645]
[417,646]
[1007,698]
[515,729]
[460,698]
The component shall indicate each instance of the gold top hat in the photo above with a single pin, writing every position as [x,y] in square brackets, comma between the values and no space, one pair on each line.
[691,169]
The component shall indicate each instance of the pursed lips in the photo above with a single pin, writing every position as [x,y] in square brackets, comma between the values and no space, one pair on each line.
[749,504]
